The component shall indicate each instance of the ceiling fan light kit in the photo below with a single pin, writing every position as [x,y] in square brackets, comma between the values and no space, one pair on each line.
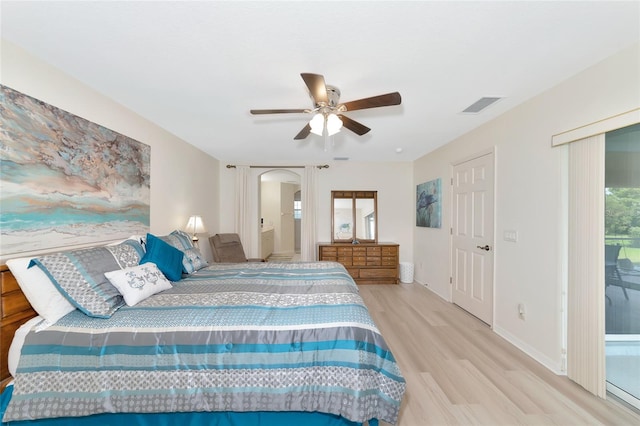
[328,111]
[334,124]
[317,124]
[328,121]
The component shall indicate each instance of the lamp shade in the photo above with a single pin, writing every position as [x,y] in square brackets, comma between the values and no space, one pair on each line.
[334,124]
[317,124]
[195,226]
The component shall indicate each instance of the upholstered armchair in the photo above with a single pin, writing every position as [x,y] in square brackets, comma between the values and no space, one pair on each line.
[227,248]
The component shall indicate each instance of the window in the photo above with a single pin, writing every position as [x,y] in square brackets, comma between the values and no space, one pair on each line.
[622,262]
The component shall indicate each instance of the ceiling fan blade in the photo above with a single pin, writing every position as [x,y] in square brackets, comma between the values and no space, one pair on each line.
[317,88]
[353,125]
[373,102]
[277,111]
[303,133]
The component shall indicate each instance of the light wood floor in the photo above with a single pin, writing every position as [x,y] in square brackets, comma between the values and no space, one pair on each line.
[459,372]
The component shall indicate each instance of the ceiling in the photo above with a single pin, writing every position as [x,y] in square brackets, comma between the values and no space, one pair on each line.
[197,68]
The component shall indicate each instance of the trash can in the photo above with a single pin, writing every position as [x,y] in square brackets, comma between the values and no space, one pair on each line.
[406,272]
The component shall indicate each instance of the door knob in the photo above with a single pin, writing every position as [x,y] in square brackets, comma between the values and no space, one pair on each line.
[486,247]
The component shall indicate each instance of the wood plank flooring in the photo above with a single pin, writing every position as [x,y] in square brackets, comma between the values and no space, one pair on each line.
[459,372]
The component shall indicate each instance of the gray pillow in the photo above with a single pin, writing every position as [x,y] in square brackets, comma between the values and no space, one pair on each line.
[79,275]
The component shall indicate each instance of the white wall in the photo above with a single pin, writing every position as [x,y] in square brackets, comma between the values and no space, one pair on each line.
[270,203]
[183,178]
[530,198]
[396,203]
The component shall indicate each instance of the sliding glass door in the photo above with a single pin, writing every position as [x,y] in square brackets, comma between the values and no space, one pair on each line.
[622,263]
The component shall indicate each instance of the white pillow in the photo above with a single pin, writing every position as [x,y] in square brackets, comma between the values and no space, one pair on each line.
[15,349]
[43,295]
[138,282]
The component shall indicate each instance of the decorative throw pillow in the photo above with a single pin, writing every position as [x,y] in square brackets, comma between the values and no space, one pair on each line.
[166,257]
[138,282]
[193,259]
[79,275]
[179,240]
[40,291]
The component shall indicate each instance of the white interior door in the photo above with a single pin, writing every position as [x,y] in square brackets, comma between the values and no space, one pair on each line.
[472,236]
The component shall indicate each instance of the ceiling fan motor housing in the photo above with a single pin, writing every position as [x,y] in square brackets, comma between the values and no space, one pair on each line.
[333,94]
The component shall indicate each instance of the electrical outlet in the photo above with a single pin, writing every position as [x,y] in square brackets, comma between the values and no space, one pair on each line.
[521,311]
[511,235]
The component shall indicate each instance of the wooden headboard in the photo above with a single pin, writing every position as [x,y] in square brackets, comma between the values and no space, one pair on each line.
[15,310]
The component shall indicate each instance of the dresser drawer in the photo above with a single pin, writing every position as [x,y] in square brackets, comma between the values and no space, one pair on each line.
[329,254]
[329,251]
[374,251]
[389,251]
[345,251]
[13,300]
[8,283]
[378,273]
[354,272]
[13,303]
[367,263]
[359,260]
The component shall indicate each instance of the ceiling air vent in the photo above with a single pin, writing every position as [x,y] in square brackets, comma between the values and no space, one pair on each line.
[480,104]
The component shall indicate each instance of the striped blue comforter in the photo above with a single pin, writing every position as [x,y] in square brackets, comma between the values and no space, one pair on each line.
[250,337]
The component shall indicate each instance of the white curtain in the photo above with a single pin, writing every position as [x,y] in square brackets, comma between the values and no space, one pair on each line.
[309,206]
[586,298]
[243,204]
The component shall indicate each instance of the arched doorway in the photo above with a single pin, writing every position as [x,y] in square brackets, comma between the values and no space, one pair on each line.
[279,213]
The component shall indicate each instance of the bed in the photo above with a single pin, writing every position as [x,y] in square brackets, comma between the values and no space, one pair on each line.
[228,344]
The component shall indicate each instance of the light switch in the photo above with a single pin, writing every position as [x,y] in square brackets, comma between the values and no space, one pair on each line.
[511,236]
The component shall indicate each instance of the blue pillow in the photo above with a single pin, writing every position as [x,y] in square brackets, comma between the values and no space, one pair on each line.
[166,257]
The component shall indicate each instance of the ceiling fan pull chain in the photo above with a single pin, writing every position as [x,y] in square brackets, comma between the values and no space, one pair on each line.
[329,142]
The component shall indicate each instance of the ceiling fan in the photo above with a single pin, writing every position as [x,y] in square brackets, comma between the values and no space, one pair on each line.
[328,112]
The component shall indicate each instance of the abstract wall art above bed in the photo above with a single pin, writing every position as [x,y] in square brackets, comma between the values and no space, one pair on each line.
[65,180]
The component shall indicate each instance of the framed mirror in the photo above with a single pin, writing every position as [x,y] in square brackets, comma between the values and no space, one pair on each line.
[354,217]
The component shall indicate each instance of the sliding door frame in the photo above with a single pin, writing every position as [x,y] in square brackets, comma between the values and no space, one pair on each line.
[586,361]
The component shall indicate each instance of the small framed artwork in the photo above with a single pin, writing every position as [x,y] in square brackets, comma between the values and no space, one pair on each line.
[428,204]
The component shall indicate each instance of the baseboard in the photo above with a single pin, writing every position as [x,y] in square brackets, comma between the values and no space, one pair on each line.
[532,352]
[425,285]
[527,349]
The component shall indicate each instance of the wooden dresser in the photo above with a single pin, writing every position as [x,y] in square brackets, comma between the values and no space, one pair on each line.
[14,311]
[368,263]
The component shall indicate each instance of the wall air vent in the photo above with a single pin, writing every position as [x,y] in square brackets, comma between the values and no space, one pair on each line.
[480,104]
[341,158]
